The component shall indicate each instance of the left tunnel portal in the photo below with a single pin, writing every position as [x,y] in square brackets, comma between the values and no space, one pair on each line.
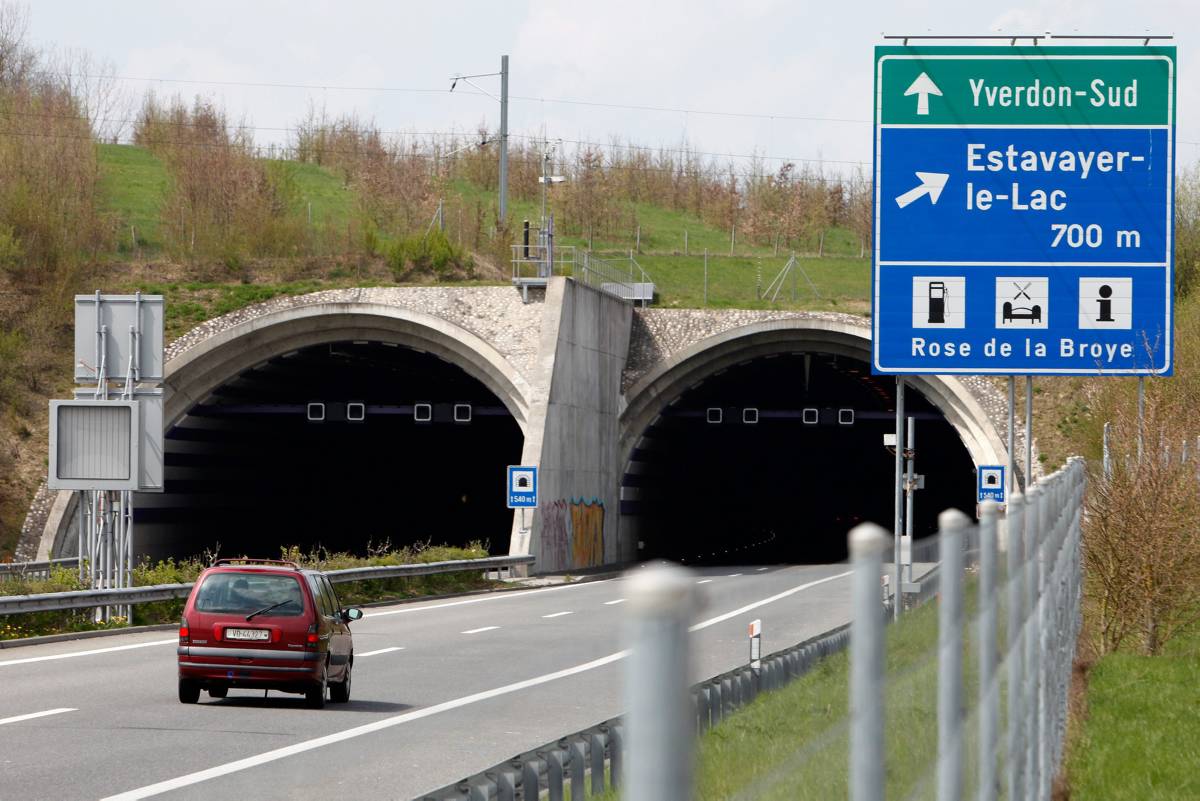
[345,445]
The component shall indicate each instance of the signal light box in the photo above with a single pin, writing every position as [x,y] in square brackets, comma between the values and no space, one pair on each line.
[1024,210]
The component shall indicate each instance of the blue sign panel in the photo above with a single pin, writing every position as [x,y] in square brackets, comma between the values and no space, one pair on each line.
[1024,210]
[991,483]
[522,487]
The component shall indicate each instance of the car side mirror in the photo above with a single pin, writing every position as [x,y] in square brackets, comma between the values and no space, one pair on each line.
[352,613]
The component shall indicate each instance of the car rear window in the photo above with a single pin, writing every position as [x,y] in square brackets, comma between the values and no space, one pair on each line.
[243,593]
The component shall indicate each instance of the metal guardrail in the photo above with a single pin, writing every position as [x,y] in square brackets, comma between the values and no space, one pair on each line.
[84,599]
[35,569]
[596,755]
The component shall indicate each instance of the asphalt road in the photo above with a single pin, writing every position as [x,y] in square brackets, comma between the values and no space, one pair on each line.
[441,690]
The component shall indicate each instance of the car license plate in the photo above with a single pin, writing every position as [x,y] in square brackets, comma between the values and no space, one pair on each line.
[247,634]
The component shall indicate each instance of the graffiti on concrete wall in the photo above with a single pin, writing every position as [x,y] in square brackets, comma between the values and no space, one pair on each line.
[572,533]
[587,533]
[556,527]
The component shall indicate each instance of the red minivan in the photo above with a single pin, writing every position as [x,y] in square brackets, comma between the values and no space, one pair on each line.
[266,625]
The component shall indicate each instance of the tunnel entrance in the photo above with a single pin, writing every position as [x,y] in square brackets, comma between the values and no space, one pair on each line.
[776,459]
[345,445]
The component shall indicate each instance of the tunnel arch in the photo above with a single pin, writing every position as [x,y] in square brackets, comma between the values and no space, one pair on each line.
[667,461]
[217,352]
[667,380]
[195,372]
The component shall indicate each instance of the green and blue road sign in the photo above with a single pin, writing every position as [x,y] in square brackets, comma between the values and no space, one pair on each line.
[1024,210]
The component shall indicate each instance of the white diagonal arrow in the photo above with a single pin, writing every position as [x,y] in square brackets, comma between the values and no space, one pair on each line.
[932,184]
[923,87]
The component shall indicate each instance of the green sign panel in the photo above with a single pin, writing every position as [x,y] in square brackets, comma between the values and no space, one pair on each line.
[1025,85]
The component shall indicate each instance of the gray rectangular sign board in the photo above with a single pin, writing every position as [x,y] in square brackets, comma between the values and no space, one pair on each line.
[117,315]
[150,436]
[94,445]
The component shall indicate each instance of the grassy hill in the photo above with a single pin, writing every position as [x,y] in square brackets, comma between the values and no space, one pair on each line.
[135,184]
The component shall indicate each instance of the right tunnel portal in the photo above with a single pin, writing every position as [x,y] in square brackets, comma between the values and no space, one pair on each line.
[775,459]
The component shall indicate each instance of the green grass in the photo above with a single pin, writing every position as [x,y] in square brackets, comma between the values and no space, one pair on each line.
[133,186]
[793,743]
[333,203]
[741,282]
[1141,738]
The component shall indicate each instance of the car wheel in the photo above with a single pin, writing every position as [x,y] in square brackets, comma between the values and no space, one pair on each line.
[314,697]
[189,691]
[339,692]
[218,692]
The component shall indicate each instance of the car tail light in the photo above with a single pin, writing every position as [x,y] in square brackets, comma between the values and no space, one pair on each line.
[184,632]
[312,638]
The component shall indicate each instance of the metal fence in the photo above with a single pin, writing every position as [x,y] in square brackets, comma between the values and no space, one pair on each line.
[965,698]
[589,762]
[85,599]
[40,569]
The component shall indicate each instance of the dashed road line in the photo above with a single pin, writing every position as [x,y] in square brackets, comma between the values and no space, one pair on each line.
[479,630]
[556,614]
[613,603]
[93,651]
[704,581]
[32,715]
[383,651]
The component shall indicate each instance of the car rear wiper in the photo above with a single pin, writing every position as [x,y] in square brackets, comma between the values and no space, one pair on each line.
[263,611]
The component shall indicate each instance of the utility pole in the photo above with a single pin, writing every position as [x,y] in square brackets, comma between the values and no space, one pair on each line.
[504,141]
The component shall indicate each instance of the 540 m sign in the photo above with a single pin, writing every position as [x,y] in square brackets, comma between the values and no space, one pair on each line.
[1024,210]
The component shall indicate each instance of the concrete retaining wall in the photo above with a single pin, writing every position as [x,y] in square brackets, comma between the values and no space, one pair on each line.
[573,431]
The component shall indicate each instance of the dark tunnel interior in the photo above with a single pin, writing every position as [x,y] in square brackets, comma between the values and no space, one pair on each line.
[766,484]
[248,469]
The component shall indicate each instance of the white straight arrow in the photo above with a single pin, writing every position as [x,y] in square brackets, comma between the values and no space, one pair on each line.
[923,87]
[932,184]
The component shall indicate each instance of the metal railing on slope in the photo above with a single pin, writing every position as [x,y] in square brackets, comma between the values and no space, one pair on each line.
[84,599]
[39,569]
[594,758]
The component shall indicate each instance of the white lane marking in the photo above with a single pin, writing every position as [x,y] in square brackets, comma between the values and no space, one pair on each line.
[761,569]
[383,651]
[445,706]
[613,603]
[557,614]
[748,607]
[704,581]
[497,597]
[733,575]
[476,631]
[358,731]
[27,660]
[32,715]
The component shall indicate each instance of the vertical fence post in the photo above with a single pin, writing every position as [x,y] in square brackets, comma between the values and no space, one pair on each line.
[1032,640]
[706,276]
[661,604]
[989,682]
[1015,523]
[952,525]
[867,542]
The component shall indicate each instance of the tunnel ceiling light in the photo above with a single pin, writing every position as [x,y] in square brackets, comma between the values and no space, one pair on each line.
[714,414]
[422,412]
[315,412]
[846,417]
[810,417]
[356,412]
[462,412]
[750,415]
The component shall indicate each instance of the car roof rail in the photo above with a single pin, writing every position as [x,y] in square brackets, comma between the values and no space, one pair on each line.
[246,560]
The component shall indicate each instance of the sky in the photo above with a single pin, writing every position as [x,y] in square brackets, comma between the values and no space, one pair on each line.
[785,79]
